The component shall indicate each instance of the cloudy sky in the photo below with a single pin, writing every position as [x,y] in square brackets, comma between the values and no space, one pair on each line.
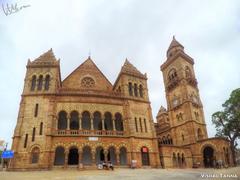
[117,29]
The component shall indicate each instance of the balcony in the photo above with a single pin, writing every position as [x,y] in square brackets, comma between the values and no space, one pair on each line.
[88,133]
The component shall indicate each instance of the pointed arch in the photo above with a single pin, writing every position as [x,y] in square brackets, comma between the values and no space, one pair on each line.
[108,123]
[33,82]
[118,122]
[40,82]
[74,120]
[86,120]
[97,120]
[62,120]
[47,82]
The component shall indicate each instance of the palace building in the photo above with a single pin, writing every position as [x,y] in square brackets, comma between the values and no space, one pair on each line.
[84,120]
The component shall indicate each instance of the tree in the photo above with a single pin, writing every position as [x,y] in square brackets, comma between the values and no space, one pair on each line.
[227,122]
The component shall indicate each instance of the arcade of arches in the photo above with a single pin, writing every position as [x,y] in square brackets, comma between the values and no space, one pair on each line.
[88,156]
[87,121]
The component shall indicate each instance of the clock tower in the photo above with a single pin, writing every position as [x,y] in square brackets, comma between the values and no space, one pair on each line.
[183,101]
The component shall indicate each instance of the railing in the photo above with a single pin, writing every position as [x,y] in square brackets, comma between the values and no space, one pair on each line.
[88,133]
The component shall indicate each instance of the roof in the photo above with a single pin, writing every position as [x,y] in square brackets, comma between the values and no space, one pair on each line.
[128,68]
[174,43]
[161,111]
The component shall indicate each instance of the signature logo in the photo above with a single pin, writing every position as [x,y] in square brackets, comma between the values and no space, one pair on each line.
[12,8]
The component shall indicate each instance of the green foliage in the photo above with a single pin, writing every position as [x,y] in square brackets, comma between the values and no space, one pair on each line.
[227,122]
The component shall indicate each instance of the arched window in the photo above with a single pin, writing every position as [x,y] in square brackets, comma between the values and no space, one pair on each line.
[140,90]
[33,84]
[123,156]
[74,120]
[135,90]
[108,123]
[199,134]
[62,120]
[97,121]
[86,120]
[164,140]
[172,74]
[130,89]
[40,82]
[35,155]
[168,139]
[188,73]
[47,82]
[73,156]
[118,122]
[59,156]
[41,128]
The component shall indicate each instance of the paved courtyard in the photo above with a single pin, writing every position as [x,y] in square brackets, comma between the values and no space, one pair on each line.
[125,174]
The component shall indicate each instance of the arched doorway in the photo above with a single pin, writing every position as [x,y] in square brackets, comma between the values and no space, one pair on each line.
[112,155]
[59,156]
[86,156]
[208,157]
[145,156]
[123,156]
[99,155]
[73,156]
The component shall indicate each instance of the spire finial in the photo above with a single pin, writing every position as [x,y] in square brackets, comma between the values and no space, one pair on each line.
[89,54]
[174,37]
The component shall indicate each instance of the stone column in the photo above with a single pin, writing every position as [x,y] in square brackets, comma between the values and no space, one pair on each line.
[80,166]
[66,159]
[117,158]
[103,127]
[91,120]
[68,122]
[105,155]
[93,158]
[80,122]
[114,126]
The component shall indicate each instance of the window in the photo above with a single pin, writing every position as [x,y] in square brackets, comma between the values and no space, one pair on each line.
[97,121]
[182,137]
[62,120]
[135,90]
[33,134]
[130,90]
[86,120]
[41,128]
[188,73]
[26,140]
[47,81]
[88,82]
[33,84]
[140,90]
[74,120]
[108,122]
[172,74]
[118,122]
[140,122]
[145,125]
[35,155]
[136,125]
[40,82]
[36,110]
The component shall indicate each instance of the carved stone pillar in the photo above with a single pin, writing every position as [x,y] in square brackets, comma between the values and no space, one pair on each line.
[103,127]
[80,159]
[105,155]
[66,159]
[80,122]
[68,122]
[91,120]
[117,158]
[93,158]
[114,126]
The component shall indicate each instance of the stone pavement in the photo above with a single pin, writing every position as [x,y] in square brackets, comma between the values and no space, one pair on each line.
[126,174]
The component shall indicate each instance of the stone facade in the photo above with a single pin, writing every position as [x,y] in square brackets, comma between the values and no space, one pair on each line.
[181,128]
[84,120]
